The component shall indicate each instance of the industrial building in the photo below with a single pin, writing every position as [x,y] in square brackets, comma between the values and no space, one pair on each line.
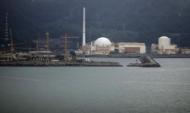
[103,46]
[131,47]
[185,51]
[164,46]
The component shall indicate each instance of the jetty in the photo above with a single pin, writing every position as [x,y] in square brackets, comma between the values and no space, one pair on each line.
[47,58]
[61,63]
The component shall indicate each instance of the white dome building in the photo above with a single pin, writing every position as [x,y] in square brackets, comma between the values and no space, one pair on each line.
[165,46]
[164,42]
[102,46]
[102,42]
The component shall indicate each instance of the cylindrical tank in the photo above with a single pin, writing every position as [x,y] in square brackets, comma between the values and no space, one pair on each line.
[164,42]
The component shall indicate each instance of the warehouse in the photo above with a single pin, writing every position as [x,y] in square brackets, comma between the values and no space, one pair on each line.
[131,47]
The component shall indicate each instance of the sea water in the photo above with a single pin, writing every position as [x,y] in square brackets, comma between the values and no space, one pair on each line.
[97,89]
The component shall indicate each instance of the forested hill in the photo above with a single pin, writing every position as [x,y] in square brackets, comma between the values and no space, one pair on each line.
[119,20]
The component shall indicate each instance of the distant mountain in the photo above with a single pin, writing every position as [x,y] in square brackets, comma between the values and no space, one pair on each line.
[119,20]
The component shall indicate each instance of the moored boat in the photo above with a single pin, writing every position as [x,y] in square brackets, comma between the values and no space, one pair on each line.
[145,61]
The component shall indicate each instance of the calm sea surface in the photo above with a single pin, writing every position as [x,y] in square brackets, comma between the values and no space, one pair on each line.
[97,89]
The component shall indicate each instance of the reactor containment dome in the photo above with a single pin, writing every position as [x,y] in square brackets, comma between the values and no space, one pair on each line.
[102,42]
[164,42]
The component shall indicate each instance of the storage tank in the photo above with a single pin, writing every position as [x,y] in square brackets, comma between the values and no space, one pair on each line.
[164,42]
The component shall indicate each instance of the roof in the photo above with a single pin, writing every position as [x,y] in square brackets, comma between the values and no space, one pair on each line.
[102,41]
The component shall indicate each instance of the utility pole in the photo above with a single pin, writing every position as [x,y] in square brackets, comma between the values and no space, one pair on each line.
[11,43]
[65,48]
[6,28]
[6,35]
[47,41]
[37,44]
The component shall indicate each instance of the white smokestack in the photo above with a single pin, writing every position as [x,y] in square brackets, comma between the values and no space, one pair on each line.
[84,28]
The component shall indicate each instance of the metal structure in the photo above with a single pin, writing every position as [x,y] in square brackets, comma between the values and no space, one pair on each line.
[65,48]
[47,41]
[12,49]
[37,44]
[6,28]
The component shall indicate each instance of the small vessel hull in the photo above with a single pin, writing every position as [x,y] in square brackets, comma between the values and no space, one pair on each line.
[145,61]
[143,65]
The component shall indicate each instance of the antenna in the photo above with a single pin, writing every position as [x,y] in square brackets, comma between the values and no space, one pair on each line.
[12,43]
[37,44]
[65,48]
[84,28]
[47,41]
[6,28]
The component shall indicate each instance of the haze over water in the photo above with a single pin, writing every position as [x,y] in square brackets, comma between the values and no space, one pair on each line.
[97,89]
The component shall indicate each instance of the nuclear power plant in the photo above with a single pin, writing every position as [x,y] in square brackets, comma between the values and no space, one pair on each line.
[100,46]
[164,46]
[103,45]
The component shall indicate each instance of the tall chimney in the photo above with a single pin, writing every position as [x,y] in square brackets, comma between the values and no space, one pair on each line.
[84,28]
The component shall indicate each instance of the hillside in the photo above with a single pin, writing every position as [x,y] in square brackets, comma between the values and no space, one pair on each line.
[120,20]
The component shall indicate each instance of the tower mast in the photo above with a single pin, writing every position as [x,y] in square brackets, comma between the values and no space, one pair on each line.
[11,43]
[6,28]
[65,48]
[47,41]
[37,44]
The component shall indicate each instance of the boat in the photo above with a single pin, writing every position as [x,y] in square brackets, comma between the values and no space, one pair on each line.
[145,61]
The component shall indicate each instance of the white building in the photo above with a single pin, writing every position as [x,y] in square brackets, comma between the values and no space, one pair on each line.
[164,42]
[185,51]
[131,47]
[165,46]
[101,46]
